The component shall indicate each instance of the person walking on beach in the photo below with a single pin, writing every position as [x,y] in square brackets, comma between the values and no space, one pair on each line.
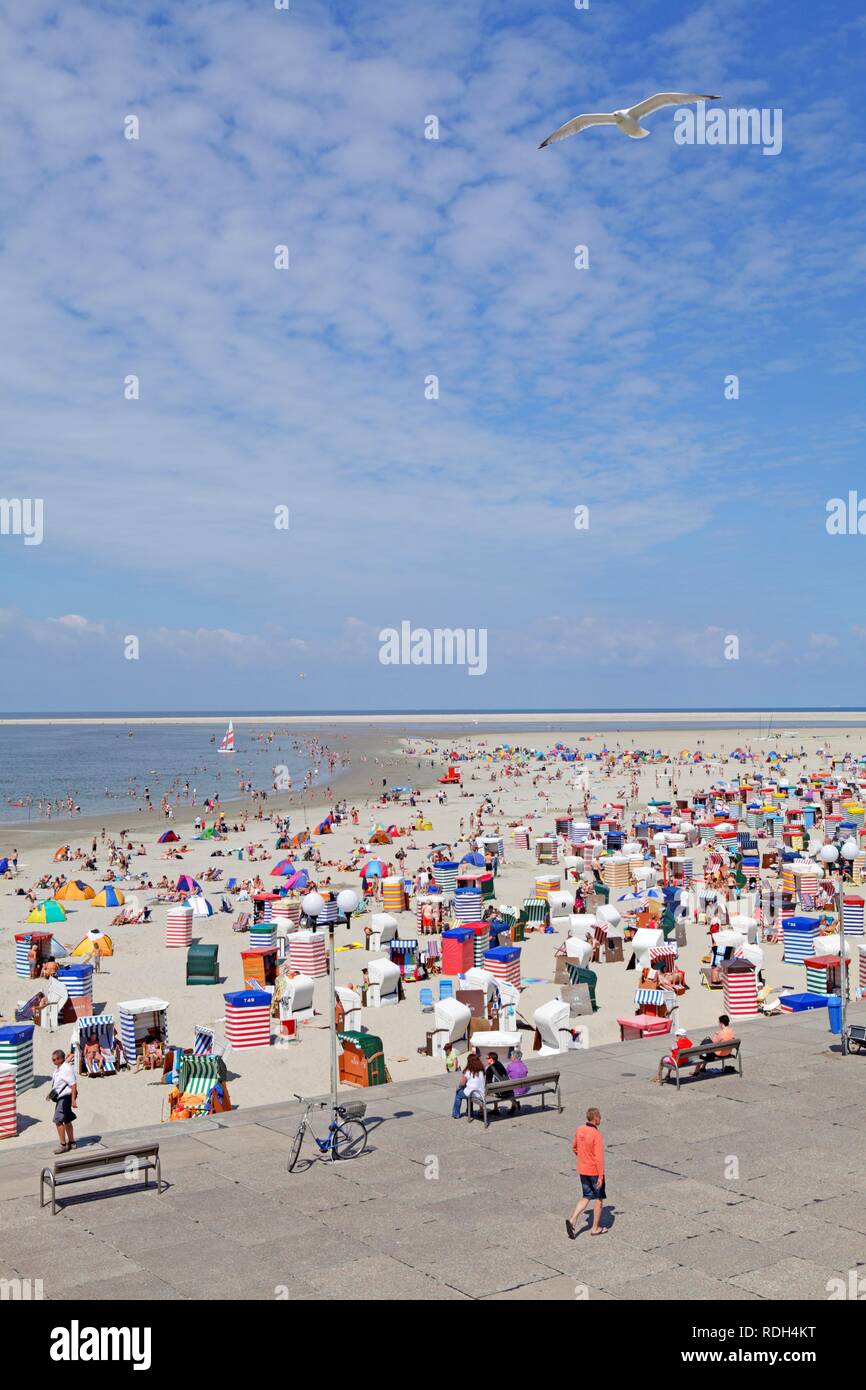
[588,1146]
[64,1090]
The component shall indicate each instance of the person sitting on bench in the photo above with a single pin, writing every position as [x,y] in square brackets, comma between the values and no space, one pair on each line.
[681,1045]
[723,1034]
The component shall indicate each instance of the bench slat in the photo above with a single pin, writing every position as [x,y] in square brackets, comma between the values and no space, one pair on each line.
[70,1162]
[105,1171]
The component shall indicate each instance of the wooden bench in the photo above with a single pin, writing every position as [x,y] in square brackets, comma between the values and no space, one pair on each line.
[542,1083]
[705,1052]
[101,1163]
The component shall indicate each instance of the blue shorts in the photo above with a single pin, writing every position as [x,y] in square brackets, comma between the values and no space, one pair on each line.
[593,1188]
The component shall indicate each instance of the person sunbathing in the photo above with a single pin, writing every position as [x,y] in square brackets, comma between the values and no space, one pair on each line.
[151,1052]
[94,1058]
[672,979]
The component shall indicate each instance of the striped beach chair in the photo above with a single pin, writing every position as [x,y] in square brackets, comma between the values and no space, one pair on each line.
[535,911]
[102,1027]
[199,1078]
[431,954]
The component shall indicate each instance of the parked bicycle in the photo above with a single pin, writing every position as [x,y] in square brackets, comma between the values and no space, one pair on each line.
[347,1133]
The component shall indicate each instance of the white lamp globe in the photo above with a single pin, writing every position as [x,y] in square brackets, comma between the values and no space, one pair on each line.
[347,901]
[849,850]
[829,853]
[313,904]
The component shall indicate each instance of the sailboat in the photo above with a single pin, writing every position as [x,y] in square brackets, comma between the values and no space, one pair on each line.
[228,743]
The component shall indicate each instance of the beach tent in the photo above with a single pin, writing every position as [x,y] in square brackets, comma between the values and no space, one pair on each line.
[477,860]
[284,869]
[73,891]
[323,828]
[298,880]
[95,943]
[186,884]
[300,839]
[168,837]
[109,897]
[49,911]
[61,853]
[380,838]
[374,868]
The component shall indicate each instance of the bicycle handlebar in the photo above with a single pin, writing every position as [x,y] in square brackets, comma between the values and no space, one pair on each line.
[319,1104]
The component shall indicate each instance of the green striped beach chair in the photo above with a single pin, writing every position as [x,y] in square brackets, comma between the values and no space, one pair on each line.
[198,1075]
[535,911]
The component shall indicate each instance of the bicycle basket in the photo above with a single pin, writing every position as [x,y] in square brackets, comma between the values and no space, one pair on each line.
[355,1110]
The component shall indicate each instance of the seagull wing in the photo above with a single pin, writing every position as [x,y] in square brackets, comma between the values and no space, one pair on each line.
[643,108]
[579,123]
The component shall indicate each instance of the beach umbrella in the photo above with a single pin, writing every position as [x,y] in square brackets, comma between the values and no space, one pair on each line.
[167,837]
[283,869]
[49,911]
[188,885]
[629,902]
[109,897]
[473,858]
[74,890]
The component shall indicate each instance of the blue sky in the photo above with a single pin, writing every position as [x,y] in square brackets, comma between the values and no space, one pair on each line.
[412,257]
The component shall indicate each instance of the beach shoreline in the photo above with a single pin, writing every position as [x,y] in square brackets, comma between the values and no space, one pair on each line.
[470,718]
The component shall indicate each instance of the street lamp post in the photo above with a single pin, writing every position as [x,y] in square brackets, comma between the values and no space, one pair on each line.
[849,853]
[829,855]
[313,905]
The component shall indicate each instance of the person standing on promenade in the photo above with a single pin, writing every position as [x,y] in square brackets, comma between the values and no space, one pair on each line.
[588,1146]
[64,1093]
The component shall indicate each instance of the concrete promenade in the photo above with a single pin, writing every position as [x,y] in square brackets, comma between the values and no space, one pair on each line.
[751,1188]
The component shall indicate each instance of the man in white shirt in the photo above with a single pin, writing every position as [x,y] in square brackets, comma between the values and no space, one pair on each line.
[65,1089]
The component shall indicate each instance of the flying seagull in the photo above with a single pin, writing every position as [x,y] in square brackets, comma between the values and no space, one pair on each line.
[629,120]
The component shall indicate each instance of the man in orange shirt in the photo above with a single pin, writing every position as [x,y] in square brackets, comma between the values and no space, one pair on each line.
[589,1148]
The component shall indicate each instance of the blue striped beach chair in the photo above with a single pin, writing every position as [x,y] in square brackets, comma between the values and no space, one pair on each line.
[101,1028]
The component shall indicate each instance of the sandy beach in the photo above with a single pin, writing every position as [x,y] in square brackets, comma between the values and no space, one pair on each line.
[142,965]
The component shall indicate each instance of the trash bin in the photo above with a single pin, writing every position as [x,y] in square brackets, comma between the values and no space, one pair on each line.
[834,1010]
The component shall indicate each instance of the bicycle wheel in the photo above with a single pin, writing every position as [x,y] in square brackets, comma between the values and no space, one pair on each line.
[296,1147]
[348,1140]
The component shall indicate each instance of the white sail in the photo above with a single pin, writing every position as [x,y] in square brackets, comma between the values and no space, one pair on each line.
[228,743]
